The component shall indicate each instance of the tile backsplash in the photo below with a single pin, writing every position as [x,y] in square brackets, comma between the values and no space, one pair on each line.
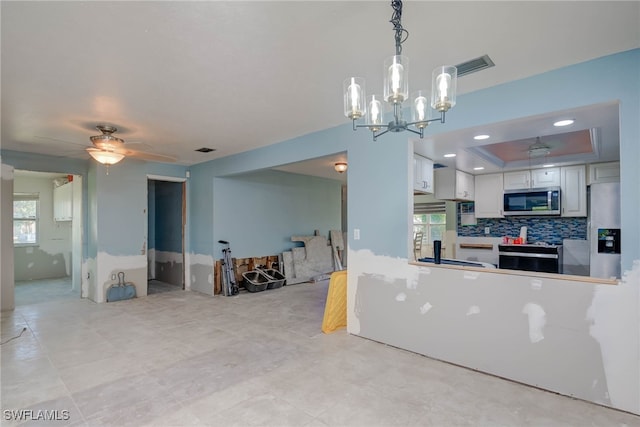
[550,230]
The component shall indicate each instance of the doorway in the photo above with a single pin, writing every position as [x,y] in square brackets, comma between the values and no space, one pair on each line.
[166,218]
[47,236]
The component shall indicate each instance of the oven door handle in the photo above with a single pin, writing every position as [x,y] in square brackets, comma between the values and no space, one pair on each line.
[528,255]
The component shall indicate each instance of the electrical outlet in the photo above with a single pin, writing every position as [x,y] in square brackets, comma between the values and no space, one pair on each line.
[356,234]
[113,277]
[487,230]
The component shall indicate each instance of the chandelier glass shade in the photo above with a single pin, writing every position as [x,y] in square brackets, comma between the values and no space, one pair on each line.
[395,93]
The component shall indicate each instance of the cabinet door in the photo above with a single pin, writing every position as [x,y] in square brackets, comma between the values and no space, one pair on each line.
[488,196]
[464,186]
[604,172]
[547,177]
[422,174]
[517,180]
[417,173]
[573,191]
[63,202]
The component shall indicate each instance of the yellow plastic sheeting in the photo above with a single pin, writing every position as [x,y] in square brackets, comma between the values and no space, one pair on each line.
[335,310]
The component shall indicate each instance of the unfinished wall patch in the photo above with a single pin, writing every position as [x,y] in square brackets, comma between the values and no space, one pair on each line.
[425,308]
[474,309]
[537,321]
[471,275]
[612,311]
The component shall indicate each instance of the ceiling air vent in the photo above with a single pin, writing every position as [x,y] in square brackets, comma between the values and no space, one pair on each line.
[474,65]
[206,150]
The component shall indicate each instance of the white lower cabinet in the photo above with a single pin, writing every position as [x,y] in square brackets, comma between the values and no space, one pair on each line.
[488,196]
[573,186]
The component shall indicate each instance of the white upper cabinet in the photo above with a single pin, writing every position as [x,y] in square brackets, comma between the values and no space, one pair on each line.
[517,180]
[452,184]
[488,196]
[546,177]
[535,178]
[573,191]
[422,174]
[604,172]
[63,202]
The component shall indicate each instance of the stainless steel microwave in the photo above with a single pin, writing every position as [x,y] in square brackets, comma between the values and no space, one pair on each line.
[534,201]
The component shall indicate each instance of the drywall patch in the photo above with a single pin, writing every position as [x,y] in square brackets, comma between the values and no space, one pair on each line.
[425,308]
[401,297]
[537,321]
[536,284]
[613,311]
[200,270]
[474,309]
[134,267]
[364,261]
[471,275]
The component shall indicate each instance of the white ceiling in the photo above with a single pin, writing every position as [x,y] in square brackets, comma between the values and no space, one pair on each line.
[235,76]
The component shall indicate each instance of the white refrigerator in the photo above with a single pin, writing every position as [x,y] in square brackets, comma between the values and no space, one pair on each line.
[604,230]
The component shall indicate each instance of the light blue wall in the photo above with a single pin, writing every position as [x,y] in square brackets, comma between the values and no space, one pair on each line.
[259,212]
[168,217]
[202,197]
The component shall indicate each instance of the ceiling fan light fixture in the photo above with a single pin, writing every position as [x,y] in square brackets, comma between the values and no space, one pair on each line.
[105,157]
[106,142]
[340,167]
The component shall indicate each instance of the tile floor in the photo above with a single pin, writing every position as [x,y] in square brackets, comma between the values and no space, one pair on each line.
[187,359]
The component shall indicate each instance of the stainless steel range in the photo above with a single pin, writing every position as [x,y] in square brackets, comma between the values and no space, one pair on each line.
[535,257]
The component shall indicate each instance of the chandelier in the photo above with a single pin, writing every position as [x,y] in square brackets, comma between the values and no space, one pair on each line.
[396,91]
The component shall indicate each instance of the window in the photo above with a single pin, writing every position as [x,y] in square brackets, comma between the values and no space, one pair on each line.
[25,219]
[432,226]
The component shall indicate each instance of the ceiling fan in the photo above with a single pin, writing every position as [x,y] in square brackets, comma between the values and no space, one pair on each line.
[539,149]
[109,149]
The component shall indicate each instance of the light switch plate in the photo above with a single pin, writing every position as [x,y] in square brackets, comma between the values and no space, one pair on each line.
[487,230]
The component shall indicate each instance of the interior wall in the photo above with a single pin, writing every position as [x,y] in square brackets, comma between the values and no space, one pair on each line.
[7,294]
[52,256]
[259,212]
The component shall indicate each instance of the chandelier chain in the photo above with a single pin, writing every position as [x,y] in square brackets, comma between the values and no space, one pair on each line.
[396,19]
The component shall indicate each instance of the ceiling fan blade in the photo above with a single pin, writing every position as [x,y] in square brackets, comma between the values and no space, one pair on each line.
[148,156]
[60,140]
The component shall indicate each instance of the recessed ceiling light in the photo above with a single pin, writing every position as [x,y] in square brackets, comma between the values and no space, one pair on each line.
[450,155]
[561,123]
[548,166]
[479,168]
[481,137]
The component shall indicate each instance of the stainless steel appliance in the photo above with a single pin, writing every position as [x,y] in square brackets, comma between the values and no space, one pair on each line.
[535,201]
[604,230]
[542,258]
